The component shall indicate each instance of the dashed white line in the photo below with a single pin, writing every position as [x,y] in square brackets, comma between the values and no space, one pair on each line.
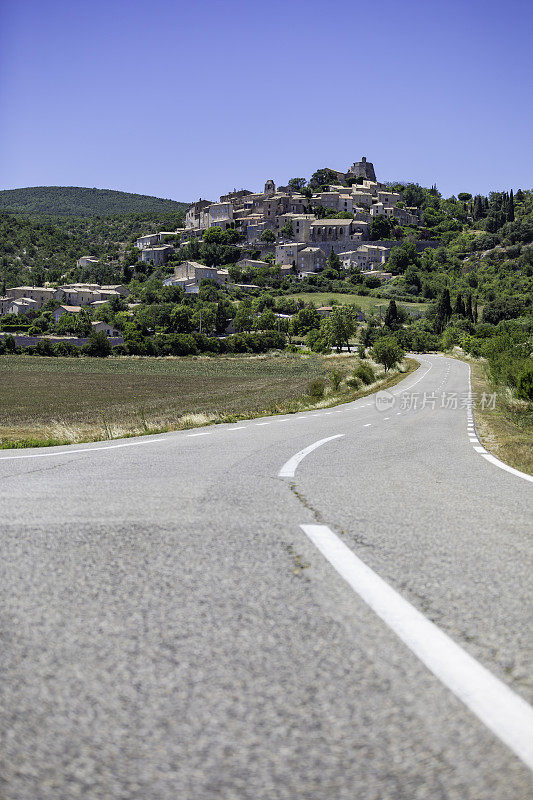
[203,433]
[289,468]
[238,428]
[368,424]
[505,713]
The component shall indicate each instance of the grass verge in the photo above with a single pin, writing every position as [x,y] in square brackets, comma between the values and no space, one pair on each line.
[506,431]
[56,401]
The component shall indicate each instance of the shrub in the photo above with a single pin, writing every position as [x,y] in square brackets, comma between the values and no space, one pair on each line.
[524,388]
[364,373]
[98,345]
[45,348]
[317,388]
[335,377]
[66,349]
[353,382]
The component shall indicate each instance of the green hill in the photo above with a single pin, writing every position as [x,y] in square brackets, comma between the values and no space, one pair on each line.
[78,201]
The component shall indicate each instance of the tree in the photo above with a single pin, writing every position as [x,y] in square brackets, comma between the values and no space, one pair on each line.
[391,316]
[380,228]
[402,257]
[323,177]
[459,307]
[181,319]
[443,310]
[98,345]
[287,231]
[510,208]
[388,352]
[204,318]
[244,319]
[339,326]
[305,320]
[267,236]
[468,308]
[267,321]
[297,184]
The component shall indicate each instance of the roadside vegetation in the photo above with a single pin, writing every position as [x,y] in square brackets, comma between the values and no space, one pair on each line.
[48,401]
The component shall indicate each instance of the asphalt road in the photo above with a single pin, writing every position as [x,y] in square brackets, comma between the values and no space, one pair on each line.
[169,631]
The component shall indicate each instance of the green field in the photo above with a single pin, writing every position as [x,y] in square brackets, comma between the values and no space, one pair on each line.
[365,302]
[64,400]
[75,399]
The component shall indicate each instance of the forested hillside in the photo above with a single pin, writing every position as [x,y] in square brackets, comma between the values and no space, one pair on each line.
[34,251]
[78,201]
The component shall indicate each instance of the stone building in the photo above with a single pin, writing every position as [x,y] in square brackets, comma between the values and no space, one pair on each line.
[363,169]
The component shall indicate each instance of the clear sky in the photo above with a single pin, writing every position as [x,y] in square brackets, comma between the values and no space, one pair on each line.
[186,100]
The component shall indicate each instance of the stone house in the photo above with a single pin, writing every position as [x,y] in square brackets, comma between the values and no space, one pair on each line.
[311,259]
[65,309]
[87,261]
[157,255]
[288,253]
[41,294]
[109,330]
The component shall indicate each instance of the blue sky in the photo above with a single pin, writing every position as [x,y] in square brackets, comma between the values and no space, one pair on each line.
[188,100]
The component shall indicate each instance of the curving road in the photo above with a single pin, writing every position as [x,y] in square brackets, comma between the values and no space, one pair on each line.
[180,620]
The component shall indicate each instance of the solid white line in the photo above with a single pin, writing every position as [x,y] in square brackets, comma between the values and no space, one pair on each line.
[506,467]
[289,468]
[83,450]
[480,449]
[505,713]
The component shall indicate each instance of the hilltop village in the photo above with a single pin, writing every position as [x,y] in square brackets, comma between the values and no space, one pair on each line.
[293,226]
[336,260]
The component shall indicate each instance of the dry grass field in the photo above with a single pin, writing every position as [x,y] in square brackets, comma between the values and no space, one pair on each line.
[63,400]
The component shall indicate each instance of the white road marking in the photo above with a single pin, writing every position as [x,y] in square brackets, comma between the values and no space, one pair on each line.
[480,449]
[385,419]
[367,425]
[506,467]
[203,433]
[289,468]
[238,428]
[263,423]
[505,713]
[83,450]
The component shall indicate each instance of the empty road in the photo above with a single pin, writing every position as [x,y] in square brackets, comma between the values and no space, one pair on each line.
[332,605]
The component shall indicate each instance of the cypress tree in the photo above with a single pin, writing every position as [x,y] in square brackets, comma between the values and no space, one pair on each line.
[446,304]
[468,307]
[391,316]
[459,307]
[474,313]
[510,208]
